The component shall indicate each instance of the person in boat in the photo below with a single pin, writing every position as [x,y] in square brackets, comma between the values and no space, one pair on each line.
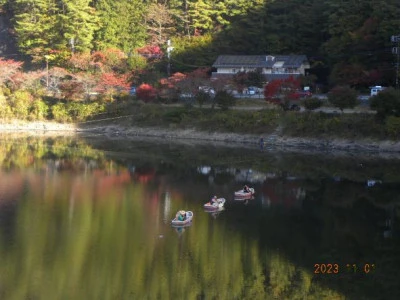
[213,201]
[182,215]
[246,189]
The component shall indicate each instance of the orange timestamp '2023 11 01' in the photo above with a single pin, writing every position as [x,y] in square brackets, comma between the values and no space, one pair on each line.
[333,268]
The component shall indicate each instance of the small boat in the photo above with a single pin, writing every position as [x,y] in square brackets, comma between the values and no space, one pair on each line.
[242,195]
[187,221]
[245,199]
[219,203]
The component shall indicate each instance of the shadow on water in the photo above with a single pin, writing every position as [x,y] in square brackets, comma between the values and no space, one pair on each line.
[308,210]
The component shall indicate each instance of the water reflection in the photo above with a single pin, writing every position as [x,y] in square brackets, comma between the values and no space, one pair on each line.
[81,223]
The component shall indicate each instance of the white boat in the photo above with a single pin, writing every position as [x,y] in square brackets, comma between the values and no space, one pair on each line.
[219,203]
[241,194]
[187,221]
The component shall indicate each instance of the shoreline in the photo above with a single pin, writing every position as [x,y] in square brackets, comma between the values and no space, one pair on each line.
[271,141]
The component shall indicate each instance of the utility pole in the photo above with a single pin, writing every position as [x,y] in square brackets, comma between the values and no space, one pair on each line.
[396,50]
[47,70]
[72,43]
[169,50]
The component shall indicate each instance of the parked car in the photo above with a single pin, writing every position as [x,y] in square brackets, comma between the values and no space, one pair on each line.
[376,89]
[251,91]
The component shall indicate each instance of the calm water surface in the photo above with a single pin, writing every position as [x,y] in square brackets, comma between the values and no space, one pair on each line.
[90,219]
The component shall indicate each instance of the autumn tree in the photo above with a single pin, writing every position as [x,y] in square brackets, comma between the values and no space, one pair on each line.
[279,90]
[55,77]
[8,68]
[112,83]
[30,81]
[159,23]
[172,86]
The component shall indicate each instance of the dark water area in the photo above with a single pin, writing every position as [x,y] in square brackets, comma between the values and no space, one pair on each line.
[89,218]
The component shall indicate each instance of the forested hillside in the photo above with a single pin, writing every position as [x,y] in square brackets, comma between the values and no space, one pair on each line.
[347,42]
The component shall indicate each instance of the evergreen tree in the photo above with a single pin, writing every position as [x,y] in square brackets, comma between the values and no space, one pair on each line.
[77,23]
[34,22]
[122,24]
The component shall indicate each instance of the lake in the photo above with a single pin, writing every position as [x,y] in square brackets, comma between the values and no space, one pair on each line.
[89,218]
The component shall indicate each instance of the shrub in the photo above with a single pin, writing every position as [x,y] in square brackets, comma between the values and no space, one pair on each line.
[392,126]
[20,102]
[386,103]
[151,111]
[312,103]
[202,97]
[5,109]
[60,113]
[38,110]
[146,92]
[175,116]
[81,111]
[224,100]
[343,97]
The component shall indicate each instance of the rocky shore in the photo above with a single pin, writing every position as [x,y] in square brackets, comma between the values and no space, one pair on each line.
[275,141]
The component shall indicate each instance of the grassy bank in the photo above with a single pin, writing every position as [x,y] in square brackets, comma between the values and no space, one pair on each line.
[265,121]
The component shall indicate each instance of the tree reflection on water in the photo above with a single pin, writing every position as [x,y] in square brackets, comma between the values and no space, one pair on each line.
[79,223]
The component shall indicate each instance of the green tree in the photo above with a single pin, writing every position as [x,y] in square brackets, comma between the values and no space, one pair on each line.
[386,103]
[343,97]
[34,23]
[45,25]
[312,103]
[224,100]
[77,23]
[121,25]
[202,97]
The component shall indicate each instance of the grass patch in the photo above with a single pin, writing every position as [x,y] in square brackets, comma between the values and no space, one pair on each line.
[323,125]
[251,102]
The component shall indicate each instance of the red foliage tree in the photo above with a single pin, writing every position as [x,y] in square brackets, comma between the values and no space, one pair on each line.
[28,80]
[8,68]
[171,81]
[279,90]
[81,61]
[203,73]
[146,92]
[111,83]
[150,51]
